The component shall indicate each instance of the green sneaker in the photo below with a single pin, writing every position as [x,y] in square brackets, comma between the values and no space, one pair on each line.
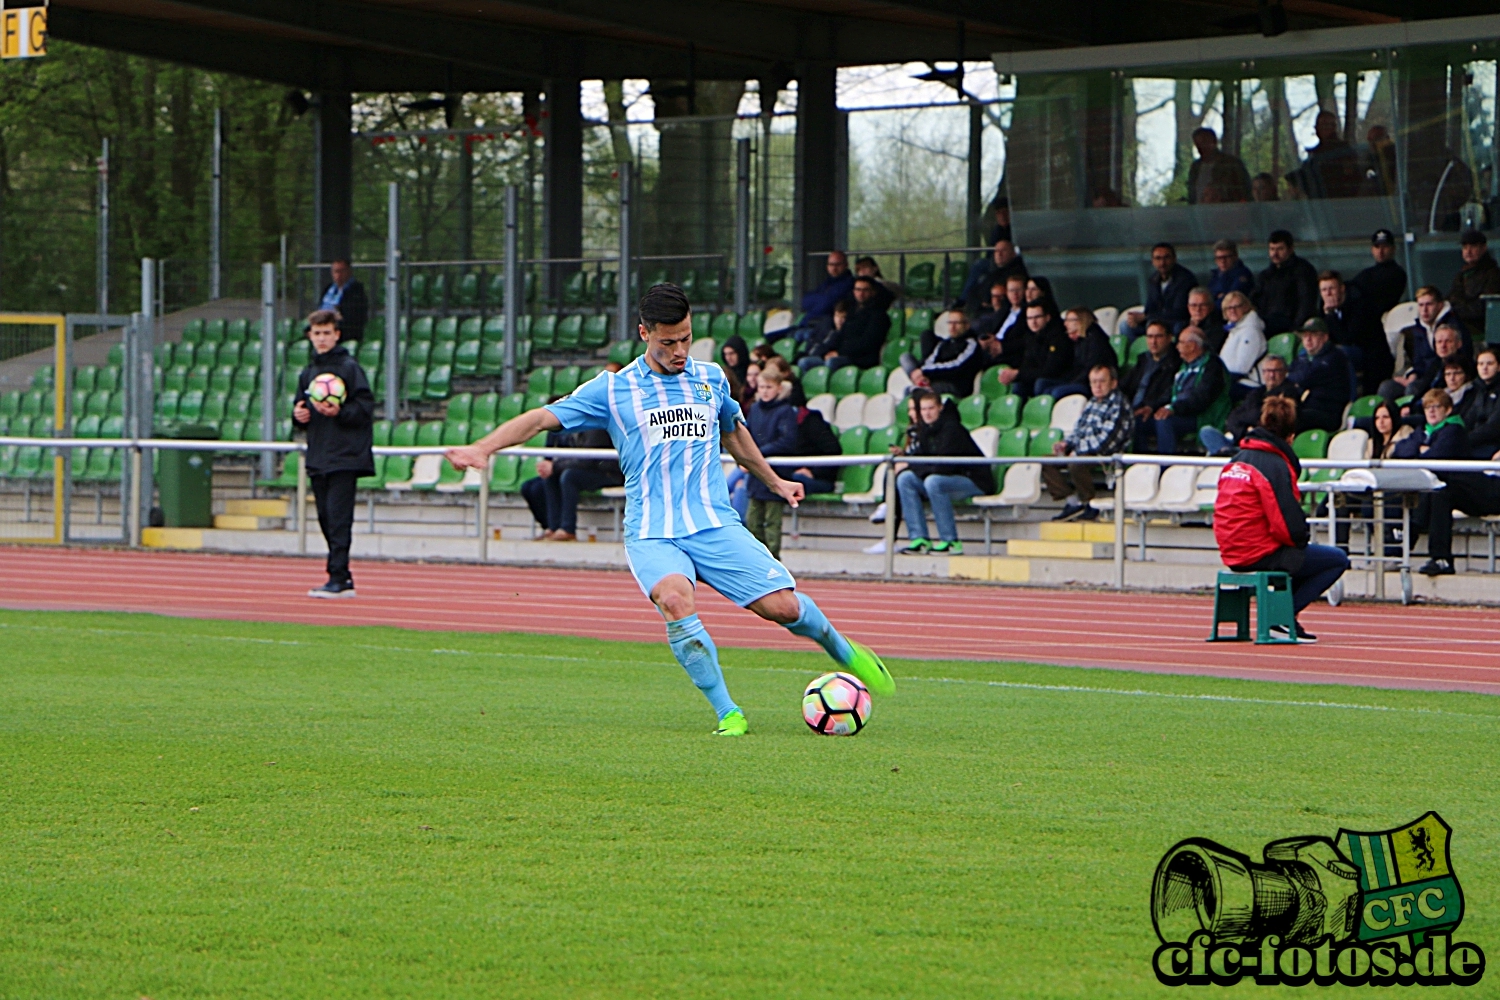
[733,724]
[954,548]
[868,667]
[917,547]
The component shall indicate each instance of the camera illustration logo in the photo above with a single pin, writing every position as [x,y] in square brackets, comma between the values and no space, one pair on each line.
[1378,908]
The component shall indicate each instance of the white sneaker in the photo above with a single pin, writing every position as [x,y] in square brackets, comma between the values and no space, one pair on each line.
[1335,594]
[877,516]
[878,549]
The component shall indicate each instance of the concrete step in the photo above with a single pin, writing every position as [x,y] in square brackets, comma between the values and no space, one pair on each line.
[258,508]
[1044,549]
[1075,531]
[249,522]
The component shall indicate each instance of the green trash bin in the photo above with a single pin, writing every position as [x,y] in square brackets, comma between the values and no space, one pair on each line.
[185,479]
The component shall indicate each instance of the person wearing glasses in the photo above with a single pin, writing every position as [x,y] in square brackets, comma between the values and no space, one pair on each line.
[1230,273]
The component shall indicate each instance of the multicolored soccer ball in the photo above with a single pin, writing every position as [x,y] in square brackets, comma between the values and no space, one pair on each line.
[327,388]
[836,704]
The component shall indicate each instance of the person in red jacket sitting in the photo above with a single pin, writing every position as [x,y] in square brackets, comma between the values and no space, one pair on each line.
[1258,519]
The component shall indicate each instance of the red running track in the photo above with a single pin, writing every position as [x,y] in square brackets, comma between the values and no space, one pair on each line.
[1427,647]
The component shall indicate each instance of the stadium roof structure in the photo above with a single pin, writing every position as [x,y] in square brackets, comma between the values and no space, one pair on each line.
[483,45]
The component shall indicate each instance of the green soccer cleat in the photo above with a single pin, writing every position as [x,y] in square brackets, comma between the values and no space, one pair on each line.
[733,724]
[868,667]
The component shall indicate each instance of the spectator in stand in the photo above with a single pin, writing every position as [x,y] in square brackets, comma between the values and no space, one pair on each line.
[1357,330]
[559,484]
[1001,264]
[1091,349]
[1322,375]
[1244,338]
[814,437]
[999,219]
[1263,188]
[1479,277]
[735,357]
[1332,168]
[939,432]
[1444,437]
[952,361]
[1049,352]
[1105,427]
[886,292]
[1166,293]
[1449,351]
[1230,273]
[862,336]
[773,424]
[1039,289]
[1247,414]
[1458,379]
[1481,411]
[1202,315]
[1006,308]
[1258,518]
[1380,173]
[346,296]
[818,303]
[1381,286]
[1388,430]
[1215,176]
[1286,292]
[1427,347]
[1196,387]
[1148,386]
[823,340]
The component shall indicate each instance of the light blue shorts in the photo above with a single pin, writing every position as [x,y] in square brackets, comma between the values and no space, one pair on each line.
[728,559]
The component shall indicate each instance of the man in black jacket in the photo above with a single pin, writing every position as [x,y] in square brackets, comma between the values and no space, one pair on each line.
[950,363]
[1480,276]
[339,439]
[1246,416]
[1049,352]
[1286,293]
[561,482]
[1322,375]
[1166,292]
[1481,410]
[860,341]
[1091,349]
[939,431]
[1148,385]
[346,296]
[1382,285]
[1357,330]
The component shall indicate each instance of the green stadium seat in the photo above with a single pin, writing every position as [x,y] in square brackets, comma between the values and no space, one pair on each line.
[437,290]
[540,381]
[972,411]
[854,441]
[238,407]
[116,355]
[844,382]
[442,353]
[166,404]
[1042,441]
[222,380]
[87,427]
[192,332]
[42,378]
[990,383]
[370,353]
[1138,346]
[80,399]
[544,332]
[376,481]
[511,406]
[108,378]
[955,276]
[1014,443]
[117,404]
[1285,346]
[703,322]
[414,382]
[493,331]
[466,291]
[890,354]
[1311,444]
[175,378]
[565,380]
[286,329]
[460,405]
[190,407]
[590,373]
[236,331]
[486,408]
[445,330]
[786,347]
[595,331]
[1364,406]
[1004,412]
[605,287]
[10,403]
[466,358]
[569,333]
[504,477]
[688,282]
[214,331]
[750,325]
[214,408]
[622,352]
[418,352]
[97,404]
[227,354]
[523,355]
[163,354]
[31,402]
[416,290]
[203,354]
[246,379]
[918,323]
[872,380]
[421,330]
[439,381]
[535,400]
[723,327]
[494,290]
[1121,344]
[491,359]
[1038,412]
[921,280]
[575,288]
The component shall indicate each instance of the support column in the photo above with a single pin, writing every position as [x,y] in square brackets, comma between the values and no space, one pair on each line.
[814,171]
[563,167]
[335,176]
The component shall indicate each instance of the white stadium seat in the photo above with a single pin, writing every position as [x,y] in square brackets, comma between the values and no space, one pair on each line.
[702,349]
[776,321]
[1401,316]
[425,472]
[825,403]
[880,411]
[1140,489]
[1349,445]
[1107,317]
[850,411]
[1066,411]
[897,382]
[1174,491]
[988,440]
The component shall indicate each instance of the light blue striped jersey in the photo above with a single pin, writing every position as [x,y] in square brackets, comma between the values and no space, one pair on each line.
[666,429]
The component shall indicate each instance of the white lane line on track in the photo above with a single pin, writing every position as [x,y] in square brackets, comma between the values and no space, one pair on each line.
[1015,685]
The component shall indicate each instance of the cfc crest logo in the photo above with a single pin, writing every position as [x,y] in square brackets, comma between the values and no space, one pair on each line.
[703,392]
[1378,908]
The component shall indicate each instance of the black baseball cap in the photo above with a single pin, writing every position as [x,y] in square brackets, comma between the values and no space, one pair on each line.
[1473,237]
[1383,236]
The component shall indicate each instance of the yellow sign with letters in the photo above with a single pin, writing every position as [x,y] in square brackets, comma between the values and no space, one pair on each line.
[23,32]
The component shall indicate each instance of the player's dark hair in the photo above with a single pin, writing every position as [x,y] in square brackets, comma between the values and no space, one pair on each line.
[663,303]
[322,317]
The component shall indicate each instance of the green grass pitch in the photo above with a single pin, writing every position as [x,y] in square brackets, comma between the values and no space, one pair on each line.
[224,809]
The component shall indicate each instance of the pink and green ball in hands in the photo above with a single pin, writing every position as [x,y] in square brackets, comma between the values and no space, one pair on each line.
[836,704]
[327,388]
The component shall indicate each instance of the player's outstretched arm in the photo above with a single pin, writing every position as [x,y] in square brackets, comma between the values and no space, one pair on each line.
[517,430]
[747,453]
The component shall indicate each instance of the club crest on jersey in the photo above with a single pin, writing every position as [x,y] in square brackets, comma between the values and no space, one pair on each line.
[703,392]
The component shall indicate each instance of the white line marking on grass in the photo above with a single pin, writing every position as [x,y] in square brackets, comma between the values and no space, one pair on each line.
[1015,685]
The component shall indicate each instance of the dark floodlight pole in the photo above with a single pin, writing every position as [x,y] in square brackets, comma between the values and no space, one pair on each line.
[626,328]
[512,290]
[390,357]
[742,227]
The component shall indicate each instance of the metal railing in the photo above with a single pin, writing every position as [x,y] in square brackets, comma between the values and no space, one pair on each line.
[1113,465]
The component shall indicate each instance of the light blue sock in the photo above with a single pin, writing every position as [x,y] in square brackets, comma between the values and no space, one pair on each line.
[813,624]
[696,652]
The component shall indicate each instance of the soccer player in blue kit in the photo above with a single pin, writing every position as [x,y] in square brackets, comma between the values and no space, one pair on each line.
[668,415]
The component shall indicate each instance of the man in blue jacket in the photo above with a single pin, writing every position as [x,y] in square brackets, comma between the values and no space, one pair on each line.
[773,425]
[1323,378]
[818,304]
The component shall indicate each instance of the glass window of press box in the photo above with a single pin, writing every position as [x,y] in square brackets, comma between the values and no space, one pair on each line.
[1330,146]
